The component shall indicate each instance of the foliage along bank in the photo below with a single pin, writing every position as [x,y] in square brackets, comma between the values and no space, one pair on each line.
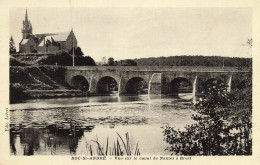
[213,61]
[223,124]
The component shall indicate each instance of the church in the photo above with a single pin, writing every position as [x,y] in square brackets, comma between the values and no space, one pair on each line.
[45,43]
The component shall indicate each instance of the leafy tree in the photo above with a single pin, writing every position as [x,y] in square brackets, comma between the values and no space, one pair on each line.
[111,61]
[84,61]
[219,128]
[12,49]
[127,62]
[34,51]
[63,58]
[77,51]
[103,61]
[17,93]
[184,60]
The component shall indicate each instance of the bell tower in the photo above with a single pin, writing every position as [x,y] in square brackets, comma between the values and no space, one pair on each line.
[27,26]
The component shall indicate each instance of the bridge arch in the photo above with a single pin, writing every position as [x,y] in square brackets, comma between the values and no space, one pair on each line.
[79,82]
[180,85]
[136,85]
[107,85]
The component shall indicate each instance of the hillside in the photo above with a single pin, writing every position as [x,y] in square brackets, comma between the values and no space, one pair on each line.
[38,82]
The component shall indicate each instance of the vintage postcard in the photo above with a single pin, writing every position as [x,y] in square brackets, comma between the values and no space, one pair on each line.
[129,82]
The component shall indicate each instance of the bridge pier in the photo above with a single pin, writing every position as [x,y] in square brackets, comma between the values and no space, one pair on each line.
[121,86]
[92,85]
[194,90]
[229,82]
[155,84]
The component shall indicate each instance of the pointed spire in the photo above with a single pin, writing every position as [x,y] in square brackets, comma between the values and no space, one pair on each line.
[27,27]
[26,15]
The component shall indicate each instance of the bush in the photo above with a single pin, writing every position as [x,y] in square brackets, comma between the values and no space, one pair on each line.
[14,62]
[77,51]
[34,51]
[17,93]
[63,58]
[84,61]
[127,63]
[219,128]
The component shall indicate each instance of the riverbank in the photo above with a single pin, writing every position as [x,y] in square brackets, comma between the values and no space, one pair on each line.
[44,94]
[38,82]
[37,94]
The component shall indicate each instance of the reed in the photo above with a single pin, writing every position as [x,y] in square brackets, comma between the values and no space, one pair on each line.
[121,147]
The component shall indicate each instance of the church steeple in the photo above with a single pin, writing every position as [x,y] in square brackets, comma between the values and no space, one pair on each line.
[27,27]
[26,15]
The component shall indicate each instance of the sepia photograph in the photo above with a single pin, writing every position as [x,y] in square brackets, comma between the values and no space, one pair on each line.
[130,81]
[133,82]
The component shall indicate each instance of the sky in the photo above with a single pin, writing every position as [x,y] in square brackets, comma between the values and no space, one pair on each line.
[128,33]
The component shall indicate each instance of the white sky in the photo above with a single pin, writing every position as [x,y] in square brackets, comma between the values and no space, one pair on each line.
[128,33]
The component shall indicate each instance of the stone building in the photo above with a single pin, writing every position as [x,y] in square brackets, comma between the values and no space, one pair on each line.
[46,42]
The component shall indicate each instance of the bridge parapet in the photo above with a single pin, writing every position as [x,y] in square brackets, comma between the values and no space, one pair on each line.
[160,68]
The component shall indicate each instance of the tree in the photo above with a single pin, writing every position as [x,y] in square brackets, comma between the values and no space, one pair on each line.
[193,61]
[62,57]
[111,61]
[218,129]
[12,48]
[77,51]
[17,93]
[128,62]
[34,51]
[84,61]
[104,60]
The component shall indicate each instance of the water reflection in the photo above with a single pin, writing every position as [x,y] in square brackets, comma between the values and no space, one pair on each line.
[64,135]
[61,126]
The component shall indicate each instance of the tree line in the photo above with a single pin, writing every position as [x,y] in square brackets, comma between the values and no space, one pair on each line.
[214,61]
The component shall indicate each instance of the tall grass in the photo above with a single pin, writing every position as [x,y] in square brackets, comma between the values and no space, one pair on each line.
[121,147]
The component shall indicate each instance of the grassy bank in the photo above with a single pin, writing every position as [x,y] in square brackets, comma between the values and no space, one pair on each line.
[29,82]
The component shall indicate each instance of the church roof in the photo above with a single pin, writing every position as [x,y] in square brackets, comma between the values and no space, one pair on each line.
[41,39]
[43,34]
[24,41]
[42,43]
[60,36]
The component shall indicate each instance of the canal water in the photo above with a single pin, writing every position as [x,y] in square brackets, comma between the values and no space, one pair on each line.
[73,126]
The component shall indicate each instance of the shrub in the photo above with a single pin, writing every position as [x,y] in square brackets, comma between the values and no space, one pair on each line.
[14,62]
[84,61]
[77,51]
[219,129]
[34,51]
[63,58]
[16,93]
[127,62]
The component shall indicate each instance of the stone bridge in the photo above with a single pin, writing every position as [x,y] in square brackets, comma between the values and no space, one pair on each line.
[159,80]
